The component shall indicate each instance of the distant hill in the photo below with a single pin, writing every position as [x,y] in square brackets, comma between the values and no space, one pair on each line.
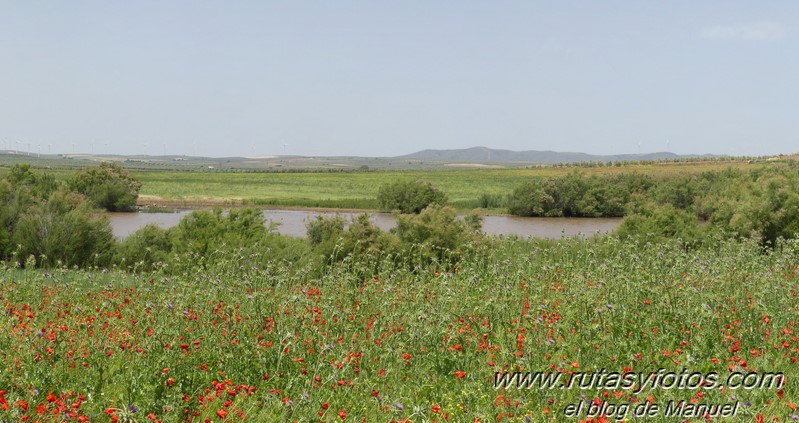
[491,155]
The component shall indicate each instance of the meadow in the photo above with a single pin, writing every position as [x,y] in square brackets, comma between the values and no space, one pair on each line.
[220,319]
[357,189]
[174,184]
[228,340]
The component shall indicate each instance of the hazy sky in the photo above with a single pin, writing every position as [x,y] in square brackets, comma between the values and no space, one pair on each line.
[383,78]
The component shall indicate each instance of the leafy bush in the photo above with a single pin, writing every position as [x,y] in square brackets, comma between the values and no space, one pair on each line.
[574,195]
[324,229]
[145,248]
[531,199]
[40,218]
[409,196]
[65,228]
[203,231]
[437,236]
[659,222]
[361,239]
[37,184]
[108,186]
[764,207]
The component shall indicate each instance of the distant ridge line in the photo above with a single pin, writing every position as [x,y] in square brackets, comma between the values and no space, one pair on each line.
[491,155]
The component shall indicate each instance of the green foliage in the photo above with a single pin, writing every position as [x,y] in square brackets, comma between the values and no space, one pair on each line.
[402,342]
[409,196]
[37,184]
[64,229]
[53,225]
[361,241]
[762,205]
[108,186]
[232,242]
[530,199]
[437,236]
[145,249]
[324,229]
[680,192]
[490,201]
[575,195]
[202,232]
[658,223]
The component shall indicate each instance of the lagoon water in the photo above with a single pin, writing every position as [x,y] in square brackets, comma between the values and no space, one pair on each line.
[292,223]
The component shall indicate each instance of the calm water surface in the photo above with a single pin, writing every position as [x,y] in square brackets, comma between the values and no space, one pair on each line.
[292,223]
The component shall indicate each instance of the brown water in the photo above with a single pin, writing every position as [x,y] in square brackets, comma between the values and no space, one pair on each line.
[292,223]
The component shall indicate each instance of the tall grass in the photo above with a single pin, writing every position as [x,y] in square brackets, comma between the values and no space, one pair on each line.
[236,341]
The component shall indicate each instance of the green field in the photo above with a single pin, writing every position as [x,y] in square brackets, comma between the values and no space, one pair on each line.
[358,189]
[219,319]
[231,342]
[192,185]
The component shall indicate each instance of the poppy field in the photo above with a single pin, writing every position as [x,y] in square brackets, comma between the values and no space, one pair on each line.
[233,342]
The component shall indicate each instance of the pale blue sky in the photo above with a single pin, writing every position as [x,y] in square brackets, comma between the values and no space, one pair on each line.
[383,78]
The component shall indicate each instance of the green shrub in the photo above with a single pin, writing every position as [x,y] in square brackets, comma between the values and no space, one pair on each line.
[145,248]
[437,236]
[659,222]
[409,196]
[108,186]
[361,238]
[574,195]
[324,229]
[764,207]
[202,232]
[65,228]
[531,199]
